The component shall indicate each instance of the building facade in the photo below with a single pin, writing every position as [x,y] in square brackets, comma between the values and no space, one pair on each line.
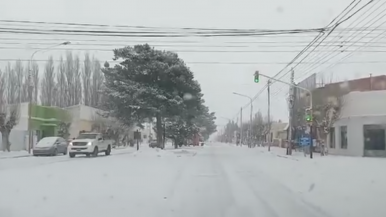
[44,122]
[83,118]
[361,127]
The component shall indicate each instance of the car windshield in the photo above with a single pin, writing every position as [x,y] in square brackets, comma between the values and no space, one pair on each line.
[87,136]
[47,142]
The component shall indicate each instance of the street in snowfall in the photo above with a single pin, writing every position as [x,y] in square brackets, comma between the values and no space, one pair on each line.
[214,180]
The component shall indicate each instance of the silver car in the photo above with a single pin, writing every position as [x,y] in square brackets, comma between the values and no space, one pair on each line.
[50,146]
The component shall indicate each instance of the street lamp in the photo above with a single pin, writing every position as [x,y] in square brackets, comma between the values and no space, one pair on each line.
[250,124]
[30,89]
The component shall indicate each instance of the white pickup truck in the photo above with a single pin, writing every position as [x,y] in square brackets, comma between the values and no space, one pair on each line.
[89,144]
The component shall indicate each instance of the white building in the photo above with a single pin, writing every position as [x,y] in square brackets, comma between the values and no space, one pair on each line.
[82,118]
[146,132]
[360,130]
[19,134]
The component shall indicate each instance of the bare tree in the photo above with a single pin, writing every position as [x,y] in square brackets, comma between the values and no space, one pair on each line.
[9,114]
[12,93]
[35,80]
[21,90]
[109,127]
[61,84]
[48,84]
[69,77]
[86,78]
[325,115]
[77,81]
[97,82]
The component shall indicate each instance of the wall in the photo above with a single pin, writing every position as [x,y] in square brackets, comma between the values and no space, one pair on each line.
[82,118]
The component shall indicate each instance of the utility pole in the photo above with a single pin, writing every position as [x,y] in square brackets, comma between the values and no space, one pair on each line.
[290,108]
[241,126]
[250,127]
[269,114]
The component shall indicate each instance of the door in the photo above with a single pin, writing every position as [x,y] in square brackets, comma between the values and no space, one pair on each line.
[63,145]
[101,143]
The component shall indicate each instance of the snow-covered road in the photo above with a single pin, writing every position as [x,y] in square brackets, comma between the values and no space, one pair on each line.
[217,181]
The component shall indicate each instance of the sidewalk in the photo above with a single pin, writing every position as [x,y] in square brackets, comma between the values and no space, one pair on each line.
[14,154]
[349,186]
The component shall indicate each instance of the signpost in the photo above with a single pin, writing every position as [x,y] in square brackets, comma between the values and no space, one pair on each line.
[137,136]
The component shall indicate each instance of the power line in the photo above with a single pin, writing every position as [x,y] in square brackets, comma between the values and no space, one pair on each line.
[344,46]
[210,63]
[78,32]
[320,35]
[277,45]
[190,51]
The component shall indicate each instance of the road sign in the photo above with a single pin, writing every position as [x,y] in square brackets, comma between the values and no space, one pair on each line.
[305,141]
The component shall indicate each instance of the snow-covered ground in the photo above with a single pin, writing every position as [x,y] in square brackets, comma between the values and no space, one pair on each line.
[217,180]
[341,186]
[14,154]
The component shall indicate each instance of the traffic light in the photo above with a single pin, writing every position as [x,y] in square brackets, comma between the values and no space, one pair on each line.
[308,115]
[256,79]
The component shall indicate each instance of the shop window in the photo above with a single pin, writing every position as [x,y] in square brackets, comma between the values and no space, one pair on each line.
[332,137]
[343,137]
[374,137]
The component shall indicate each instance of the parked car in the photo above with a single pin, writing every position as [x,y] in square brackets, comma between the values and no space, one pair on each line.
[50,146]
[90,144]
[153,144]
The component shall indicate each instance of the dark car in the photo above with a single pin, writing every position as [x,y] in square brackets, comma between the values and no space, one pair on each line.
[50,146]
[154,144]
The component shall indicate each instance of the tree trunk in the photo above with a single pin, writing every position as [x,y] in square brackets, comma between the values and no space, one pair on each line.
[5,141]
[176,143]
[159,130]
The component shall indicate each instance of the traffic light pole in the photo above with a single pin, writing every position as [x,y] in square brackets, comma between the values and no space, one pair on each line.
[293,85]
[257,74]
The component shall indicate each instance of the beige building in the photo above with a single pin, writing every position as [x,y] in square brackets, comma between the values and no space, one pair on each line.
[278,133]
[82,118]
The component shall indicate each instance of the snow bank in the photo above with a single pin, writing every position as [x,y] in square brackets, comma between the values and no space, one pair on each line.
[14,154]
[151,152]
[346,186]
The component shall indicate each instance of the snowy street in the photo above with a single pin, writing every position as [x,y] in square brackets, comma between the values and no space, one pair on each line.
[218,180]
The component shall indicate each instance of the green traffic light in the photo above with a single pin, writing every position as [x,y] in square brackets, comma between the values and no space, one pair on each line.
[308,118]
[256,80]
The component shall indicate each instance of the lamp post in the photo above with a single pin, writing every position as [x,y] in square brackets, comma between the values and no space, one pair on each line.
[30,89]
[250,118]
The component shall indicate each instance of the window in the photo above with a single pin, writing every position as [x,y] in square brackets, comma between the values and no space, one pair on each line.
[343,137]
[332,137]
[374,137]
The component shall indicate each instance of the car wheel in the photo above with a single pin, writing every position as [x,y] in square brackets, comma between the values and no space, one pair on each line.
[72,155]
[55,152]
[95,152]
[108,151]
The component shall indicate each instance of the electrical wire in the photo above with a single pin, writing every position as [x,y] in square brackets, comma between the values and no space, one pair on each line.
[352,37]
[188,45]
[206,62]
[187,51]
[337,36]
[337,23]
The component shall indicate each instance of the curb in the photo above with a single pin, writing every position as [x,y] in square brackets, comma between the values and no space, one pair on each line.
[21,156]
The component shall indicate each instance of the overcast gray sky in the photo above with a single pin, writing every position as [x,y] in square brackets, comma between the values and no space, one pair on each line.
[218,80]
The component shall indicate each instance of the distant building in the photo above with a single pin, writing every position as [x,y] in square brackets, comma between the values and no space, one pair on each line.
[278,133]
